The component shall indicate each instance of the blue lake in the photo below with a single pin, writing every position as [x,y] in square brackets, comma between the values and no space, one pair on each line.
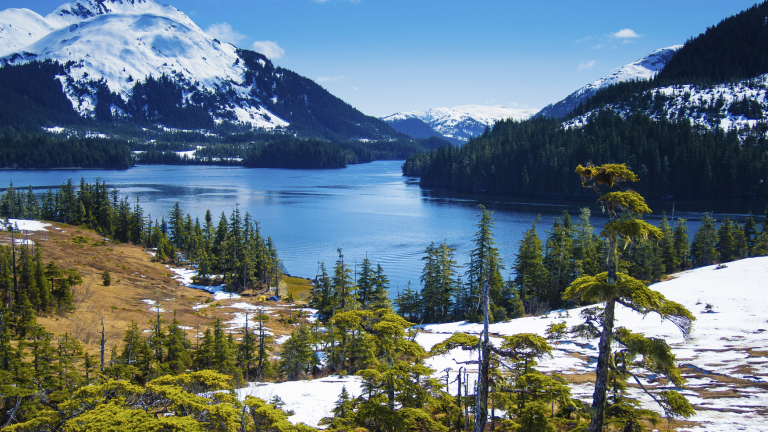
[368,209]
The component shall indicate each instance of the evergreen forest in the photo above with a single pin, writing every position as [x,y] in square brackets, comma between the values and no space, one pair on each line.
[533,158]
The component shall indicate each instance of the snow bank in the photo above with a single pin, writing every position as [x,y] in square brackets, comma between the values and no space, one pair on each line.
[185,277]
[311,400]
[721,342]
[27,225]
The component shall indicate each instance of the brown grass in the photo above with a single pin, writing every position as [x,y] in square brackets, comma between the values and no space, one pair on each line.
[134,278]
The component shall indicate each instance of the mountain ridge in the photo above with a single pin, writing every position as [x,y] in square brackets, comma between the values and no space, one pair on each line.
[107,48]
[460,124]
[644,68]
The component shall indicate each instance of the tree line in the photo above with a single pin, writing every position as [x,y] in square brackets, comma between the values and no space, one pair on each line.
[531,158]
[230,250]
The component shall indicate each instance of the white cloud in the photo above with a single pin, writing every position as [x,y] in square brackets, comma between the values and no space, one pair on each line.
[326,79]
[625,34]
[270,49]
[584,39]
[354,88]
[225,33]
[598,46]
[587,65]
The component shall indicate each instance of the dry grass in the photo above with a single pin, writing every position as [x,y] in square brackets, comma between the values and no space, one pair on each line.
[134,278]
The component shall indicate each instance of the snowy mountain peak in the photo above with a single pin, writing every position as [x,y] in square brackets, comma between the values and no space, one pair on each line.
[462,122]
[642,69]
[80,10]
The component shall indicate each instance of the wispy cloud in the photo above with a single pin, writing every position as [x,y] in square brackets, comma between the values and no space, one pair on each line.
[326,79]
[587,65]
[225,33]
[626,34]
[354,88]
[598,46]
[270,49]
[584,39]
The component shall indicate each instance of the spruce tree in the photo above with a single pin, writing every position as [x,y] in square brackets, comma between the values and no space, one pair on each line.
[558,258]
[614,287]
[703,248]
[531,278]
[485,264]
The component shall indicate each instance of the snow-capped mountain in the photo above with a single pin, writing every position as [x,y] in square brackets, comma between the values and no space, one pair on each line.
[643,69]
[462,122]
[110,47]
[740,106]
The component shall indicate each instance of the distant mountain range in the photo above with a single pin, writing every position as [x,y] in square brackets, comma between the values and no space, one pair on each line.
[142,61]
[457,124]
[461,123]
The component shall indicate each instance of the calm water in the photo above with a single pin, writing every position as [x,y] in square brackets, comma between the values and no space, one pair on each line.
[368,209]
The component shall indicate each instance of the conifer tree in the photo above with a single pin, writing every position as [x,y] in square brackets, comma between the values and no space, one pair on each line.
[530,273]
[380,295]
[682,249]
[485,264]
[297,356]
[587,246]
[177,346]
[614,287]
[558,258]
[703,248]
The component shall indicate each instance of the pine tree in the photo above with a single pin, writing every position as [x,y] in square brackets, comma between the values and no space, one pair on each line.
[106,278]
[586,246]
[667,248]
[380,295]
[297,356]
[703,250]
[682,249]
[726,243]
[485,264]
[177,346]
[612,286]
[558,258]
[530,274]
[365,283]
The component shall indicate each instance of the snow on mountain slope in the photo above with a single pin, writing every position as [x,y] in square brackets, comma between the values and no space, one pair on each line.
[80,10]
[130,42]
[643,69]
[706,106]
[463,122]
[21,27]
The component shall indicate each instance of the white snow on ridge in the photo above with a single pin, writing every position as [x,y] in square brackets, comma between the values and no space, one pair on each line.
[463,122]
[21,27]
[124,41]
[80,10]
[643,69]
[696,101]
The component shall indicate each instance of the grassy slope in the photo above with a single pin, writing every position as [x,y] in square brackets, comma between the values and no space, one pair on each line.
[134,278]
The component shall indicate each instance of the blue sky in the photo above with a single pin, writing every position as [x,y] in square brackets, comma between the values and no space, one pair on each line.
[385,56]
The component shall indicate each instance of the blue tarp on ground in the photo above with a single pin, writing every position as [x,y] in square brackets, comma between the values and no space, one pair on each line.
[273,298]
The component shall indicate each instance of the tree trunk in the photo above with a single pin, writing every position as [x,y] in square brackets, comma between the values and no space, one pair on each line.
[601,375]
[604,356]
[481,396]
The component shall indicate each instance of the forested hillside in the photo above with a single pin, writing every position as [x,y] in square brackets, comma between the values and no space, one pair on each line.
[535,158]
